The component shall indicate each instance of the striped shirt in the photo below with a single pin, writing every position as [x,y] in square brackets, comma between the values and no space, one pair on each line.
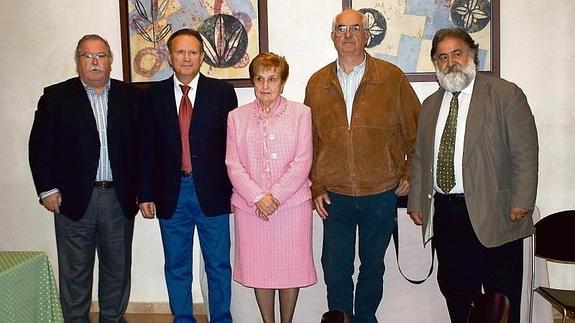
[349,84]
[99,103]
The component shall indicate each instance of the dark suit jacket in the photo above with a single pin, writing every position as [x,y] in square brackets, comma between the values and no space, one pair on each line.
[64,147]
[500,161]
[161,148]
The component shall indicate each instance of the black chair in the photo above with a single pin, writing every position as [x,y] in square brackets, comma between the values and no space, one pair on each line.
[334,316]
[553,241]
[491,307]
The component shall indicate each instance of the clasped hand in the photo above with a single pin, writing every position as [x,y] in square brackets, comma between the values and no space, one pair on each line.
[266,206]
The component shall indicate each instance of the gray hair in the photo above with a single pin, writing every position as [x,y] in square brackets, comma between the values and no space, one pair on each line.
[92,37]
[458,33]
[364,21]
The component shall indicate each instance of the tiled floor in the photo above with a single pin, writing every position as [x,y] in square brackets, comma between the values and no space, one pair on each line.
[149,318]
[166,318]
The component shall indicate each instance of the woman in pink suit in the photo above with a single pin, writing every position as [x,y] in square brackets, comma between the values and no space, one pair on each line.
[269,155]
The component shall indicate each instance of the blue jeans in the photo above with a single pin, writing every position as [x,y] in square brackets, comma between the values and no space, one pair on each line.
[374,217]
[177,239]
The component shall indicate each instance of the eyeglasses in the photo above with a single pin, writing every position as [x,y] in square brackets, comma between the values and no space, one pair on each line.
[342,30]
[91,56]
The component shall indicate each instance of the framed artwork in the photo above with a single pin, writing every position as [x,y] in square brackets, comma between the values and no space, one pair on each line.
[401,31]
[233,32]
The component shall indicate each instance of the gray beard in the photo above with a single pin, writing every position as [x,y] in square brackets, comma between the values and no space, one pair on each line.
[456,77]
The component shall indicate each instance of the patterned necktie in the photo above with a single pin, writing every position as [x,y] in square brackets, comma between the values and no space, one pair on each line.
[445,168]
[184,118]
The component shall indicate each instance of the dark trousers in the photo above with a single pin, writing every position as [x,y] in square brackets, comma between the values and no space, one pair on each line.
[374,218]
[465,265]
[177,239]
[103,228]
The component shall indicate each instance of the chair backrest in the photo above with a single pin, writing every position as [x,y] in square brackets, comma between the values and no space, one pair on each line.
[334,316]
[554,237]
[491,307]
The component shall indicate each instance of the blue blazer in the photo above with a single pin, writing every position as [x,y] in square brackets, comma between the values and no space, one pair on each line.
[159,170]
[64,146]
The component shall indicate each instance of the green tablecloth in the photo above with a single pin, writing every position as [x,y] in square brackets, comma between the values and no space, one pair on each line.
[28,291]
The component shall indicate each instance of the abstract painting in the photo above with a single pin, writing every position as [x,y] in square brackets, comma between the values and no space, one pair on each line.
[233,32]
[401,31]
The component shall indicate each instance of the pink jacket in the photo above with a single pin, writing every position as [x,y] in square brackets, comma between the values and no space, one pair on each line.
[272,155]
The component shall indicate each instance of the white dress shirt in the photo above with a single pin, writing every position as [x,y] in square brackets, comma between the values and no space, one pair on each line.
[191,94]
[349,84]
[464,101]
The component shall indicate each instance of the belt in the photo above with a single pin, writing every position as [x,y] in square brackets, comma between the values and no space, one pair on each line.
[104,184]
[184,174]
[451,198]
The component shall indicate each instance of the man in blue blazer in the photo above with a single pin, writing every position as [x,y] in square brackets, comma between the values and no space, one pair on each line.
[83,162]
[183,177]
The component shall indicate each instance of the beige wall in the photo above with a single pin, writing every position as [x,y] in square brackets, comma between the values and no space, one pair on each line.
[38,39]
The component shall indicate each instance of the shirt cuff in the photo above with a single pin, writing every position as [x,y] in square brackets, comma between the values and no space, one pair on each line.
[48,193]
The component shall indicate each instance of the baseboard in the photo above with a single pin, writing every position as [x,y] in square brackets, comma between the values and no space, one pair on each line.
[152,307]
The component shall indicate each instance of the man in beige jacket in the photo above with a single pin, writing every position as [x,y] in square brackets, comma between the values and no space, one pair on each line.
[476,198]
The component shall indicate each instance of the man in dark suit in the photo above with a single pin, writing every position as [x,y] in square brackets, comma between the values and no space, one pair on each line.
[474,179]
[83,160]
[183,177]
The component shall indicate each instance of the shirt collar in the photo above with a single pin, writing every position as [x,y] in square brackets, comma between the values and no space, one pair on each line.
[193,84]
[275,106]
[91,90]
[469,88]
[355,68]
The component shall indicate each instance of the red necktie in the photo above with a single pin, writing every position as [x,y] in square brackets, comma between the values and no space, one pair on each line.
[185,118]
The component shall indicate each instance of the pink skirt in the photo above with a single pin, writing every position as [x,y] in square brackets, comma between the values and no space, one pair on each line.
[274,254]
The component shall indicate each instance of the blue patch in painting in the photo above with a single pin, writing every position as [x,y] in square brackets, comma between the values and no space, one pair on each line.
[407,54]
[482,54]
[436,15]
[242,6]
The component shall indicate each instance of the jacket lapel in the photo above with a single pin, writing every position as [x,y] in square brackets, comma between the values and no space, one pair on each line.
[475,114]
[201,102]
[113,102]
[169,107]
[81,102]
[370,75]
[435,106]
[332,84]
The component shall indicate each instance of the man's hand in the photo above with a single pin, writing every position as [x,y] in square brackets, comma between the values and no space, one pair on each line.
[52,202]
[403,188]
[518,213]
[319,205]
[416,217]
[148,209]
[266,206]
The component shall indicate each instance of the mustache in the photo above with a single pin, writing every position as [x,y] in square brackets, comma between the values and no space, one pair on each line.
[455,68]
[96,68]
[456,77]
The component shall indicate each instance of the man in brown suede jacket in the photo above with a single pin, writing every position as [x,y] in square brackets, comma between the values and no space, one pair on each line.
[364,114]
